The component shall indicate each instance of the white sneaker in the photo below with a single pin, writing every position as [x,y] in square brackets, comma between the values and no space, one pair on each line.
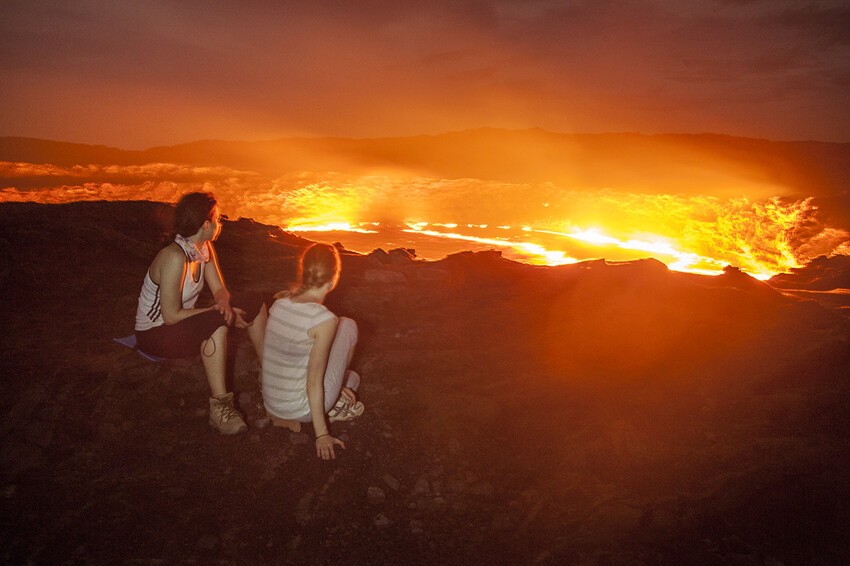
[342,411]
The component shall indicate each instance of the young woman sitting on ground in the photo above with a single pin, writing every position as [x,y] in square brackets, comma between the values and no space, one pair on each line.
[169,325]
[307,352]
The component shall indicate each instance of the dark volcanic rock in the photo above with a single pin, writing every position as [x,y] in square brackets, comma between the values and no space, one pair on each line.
[821,274]
[591,413]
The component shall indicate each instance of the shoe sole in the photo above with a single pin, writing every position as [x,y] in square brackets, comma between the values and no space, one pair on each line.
[242,428]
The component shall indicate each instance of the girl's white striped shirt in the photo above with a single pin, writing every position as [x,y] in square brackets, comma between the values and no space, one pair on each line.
[285,356]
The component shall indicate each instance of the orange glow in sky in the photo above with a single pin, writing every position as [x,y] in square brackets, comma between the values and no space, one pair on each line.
[489,130]
[150,73]
[584,205]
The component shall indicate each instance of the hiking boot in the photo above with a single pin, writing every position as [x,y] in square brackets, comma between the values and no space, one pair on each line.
[342,411]
[224,416]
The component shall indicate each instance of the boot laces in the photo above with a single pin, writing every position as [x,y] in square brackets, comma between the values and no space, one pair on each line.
[228,411]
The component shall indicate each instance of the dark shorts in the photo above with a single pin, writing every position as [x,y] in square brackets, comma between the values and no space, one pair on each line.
[184,339]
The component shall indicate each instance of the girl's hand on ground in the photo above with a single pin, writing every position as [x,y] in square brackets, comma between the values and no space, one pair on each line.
[325,446]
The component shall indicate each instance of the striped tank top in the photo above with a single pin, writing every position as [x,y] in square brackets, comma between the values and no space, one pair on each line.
[286,352]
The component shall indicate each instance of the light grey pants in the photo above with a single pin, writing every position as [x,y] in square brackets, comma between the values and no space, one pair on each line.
[337,374]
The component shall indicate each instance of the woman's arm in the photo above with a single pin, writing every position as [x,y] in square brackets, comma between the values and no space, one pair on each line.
[323,337]
[215,281]
[168,272]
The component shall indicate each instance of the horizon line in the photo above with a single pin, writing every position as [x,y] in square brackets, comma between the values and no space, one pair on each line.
[425,135]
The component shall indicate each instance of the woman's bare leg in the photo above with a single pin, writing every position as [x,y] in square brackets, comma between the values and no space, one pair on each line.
[213,356]
[257,331]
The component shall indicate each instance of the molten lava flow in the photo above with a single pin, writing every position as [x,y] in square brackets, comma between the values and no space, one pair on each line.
[332,227]
[529,252]
[659,248]
[534,223]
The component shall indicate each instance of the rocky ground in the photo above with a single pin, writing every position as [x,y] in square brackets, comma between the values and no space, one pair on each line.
[588,414]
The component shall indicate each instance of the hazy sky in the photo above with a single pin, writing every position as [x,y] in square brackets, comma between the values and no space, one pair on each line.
[139,73]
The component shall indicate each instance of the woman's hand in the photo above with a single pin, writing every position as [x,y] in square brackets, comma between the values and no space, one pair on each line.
[222,305]
[240,318]
[325,446]
[348,395]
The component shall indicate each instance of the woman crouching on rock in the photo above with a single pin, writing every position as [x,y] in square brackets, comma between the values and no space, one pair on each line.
[307,352]
[169,325]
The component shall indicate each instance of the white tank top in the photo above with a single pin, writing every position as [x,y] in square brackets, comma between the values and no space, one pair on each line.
[149,311]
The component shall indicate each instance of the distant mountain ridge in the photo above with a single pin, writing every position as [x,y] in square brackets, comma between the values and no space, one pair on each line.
[628,161]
